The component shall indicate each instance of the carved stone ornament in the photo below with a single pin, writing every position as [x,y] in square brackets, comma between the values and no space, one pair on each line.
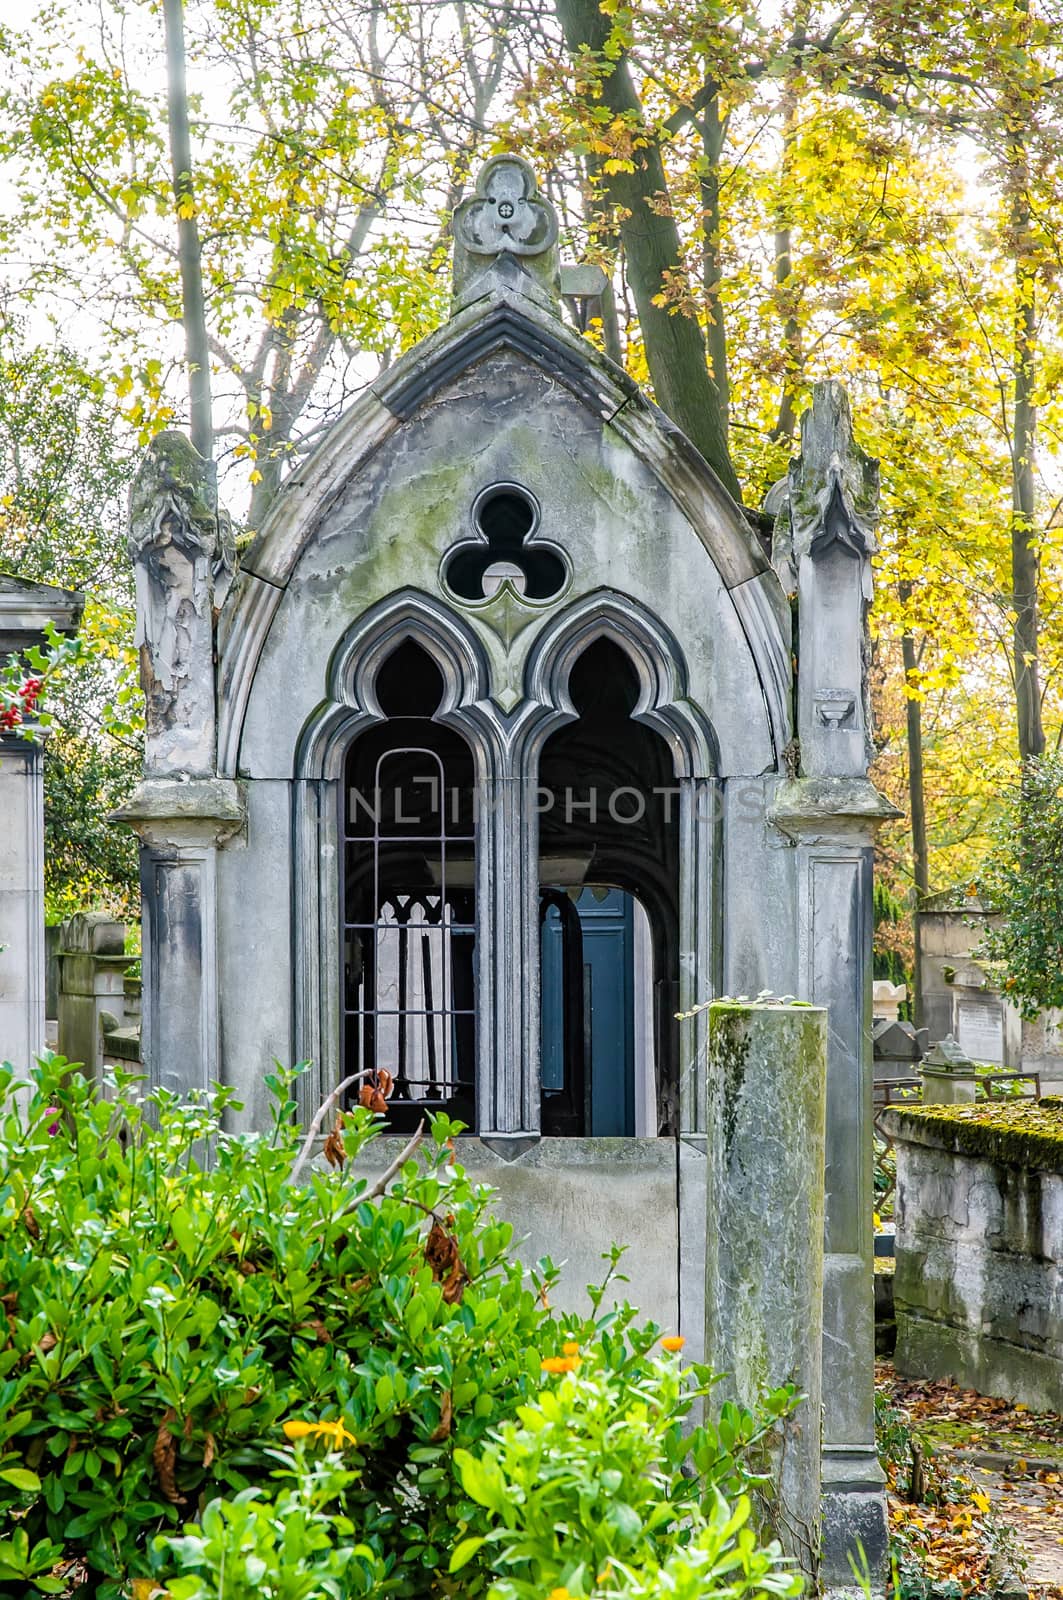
[175,539]
[830,498]
[506,213]
[505,236]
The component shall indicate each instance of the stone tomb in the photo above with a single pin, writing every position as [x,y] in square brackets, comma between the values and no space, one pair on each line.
[488,759]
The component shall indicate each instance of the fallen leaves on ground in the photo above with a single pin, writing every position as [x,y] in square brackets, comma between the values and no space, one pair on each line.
[994,1481]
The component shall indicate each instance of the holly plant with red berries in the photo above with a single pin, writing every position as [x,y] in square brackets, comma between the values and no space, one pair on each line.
[24,681]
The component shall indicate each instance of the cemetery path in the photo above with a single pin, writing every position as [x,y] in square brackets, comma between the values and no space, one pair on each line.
[984,1464]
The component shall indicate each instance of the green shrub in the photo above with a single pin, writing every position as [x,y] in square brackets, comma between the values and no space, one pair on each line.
[585,1487]
[171,1319]
[295,1546]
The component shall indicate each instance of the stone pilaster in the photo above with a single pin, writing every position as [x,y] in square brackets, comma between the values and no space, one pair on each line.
[181,825]
[180,544]
[827,512]
[832,823]
[26,610]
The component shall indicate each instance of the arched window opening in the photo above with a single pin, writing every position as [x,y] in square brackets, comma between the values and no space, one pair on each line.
[409,901]
[609,874]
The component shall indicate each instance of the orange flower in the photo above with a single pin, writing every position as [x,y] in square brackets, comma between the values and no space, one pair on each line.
[673,1341]
[560,1363]
[570,1348]
[334,1432]
[298,1430]
[559,1594]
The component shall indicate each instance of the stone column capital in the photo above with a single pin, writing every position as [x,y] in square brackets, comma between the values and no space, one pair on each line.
[184,812]
[822,810]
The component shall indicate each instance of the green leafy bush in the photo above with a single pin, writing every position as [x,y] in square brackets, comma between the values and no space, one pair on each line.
[1022,880]
[585,1488]
[294,1546]
[185,1336]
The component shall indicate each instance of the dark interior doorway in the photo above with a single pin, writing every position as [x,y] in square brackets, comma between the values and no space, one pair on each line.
[608,822]
[409,899]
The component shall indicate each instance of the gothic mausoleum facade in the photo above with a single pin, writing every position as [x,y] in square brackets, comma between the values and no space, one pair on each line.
[508,741]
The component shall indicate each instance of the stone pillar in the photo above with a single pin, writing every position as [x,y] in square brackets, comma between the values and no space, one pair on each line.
[21,903]
[824,539]
[765,1117]
[180,544]
[832,824]
[949,1078]
[25,610]
[180,828]
[93,965]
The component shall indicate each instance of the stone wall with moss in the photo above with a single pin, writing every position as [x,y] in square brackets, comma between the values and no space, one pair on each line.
[979,1280]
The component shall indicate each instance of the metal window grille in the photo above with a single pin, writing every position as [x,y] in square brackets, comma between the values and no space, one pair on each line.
[410,934]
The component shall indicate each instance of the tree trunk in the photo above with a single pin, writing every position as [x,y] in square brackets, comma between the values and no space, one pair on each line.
[1025,563]
[675,345]
[193,309]
[713,127]
[1024,558]
[916,804]
[793,354]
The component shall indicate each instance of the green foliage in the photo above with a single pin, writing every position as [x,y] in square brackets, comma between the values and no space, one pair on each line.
[65,464]
[296,1546]
[587,1480]
[1022,880]
[173,1319]
[64,469]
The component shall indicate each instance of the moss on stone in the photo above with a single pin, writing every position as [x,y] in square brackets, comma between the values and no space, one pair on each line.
[1017,1133]
[729,1049]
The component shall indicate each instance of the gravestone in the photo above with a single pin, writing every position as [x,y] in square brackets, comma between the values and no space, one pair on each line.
[949,1078]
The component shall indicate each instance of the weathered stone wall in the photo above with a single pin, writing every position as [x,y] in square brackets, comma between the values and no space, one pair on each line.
[979,1282]
[92,982]
[601,1191]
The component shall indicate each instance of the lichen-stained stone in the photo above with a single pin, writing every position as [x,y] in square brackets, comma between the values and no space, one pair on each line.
[176,538]
[392,526]
[503,506]
[764,1253]
[979,1282]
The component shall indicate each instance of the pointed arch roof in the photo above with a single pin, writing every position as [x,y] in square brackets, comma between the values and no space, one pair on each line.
[503,319]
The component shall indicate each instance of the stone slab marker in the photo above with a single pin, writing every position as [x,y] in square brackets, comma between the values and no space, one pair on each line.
[766,1112]
[25,609]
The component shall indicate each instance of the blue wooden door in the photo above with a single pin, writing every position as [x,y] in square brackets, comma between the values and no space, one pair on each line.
[607,924]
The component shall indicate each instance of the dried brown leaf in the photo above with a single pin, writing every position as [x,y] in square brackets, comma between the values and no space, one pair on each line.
[334,1149]
[448,1269]
[315,1326]
[164,1456]
[446,1420]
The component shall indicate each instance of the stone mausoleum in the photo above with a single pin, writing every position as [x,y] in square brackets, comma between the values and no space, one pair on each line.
[510,738]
